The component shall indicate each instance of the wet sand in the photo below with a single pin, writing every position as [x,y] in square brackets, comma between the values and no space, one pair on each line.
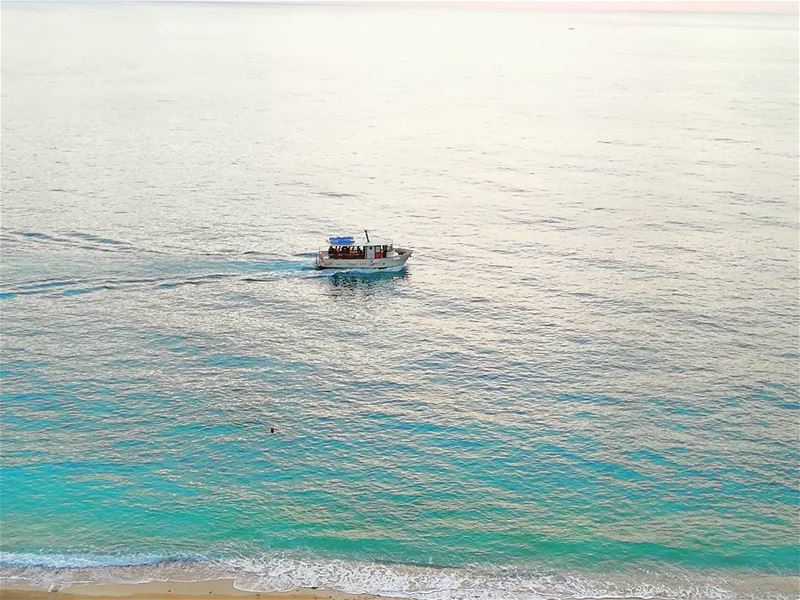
[221,589]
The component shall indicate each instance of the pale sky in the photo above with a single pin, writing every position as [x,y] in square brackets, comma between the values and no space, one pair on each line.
[762,6]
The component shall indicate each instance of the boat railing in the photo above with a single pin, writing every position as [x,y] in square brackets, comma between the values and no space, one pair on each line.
[351,253]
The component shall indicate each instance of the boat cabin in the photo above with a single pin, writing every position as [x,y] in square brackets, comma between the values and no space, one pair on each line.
[349,248]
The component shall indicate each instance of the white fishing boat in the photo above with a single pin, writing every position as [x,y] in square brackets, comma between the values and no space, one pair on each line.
[356,254]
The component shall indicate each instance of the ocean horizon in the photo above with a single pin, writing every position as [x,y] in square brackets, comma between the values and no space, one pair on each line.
[584,384]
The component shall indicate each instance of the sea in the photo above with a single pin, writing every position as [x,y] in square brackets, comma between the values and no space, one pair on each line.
[585,384]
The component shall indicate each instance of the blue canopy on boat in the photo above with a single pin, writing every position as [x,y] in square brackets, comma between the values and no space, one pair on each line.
[340,241]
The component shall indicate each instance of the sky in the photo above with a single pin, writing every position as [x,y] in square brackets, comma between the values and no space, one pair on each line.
[779,6]
[762,6]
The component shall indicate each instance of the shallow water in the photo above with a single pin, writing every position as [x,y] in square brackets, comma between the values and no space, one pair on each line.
[584,384]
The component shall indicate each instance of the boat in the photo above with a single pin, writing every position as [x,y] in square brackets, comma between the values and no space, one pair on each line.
[357,254]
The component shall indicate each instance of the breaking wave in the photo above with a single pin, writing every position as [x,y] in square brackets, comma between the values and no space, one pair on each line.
[280,572]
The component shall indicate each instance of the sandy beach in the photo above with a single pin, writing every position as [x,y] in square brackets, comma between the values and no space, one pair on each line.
[221,589]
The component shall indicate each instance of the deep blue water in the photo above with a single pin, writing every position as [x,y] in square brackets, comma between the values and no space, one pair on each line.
[585,384]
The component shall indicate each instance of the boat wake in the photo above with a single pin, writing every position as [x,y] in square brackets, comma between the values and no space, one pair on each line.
[67,266]
[158,274]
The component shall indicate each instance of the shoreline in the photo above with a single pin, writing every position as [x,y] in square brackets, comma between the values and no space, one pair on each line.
[131,583]
[220,589]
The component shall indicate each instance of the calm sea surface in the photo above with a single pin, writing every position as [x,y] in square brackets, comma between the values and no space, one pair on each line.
[585,384]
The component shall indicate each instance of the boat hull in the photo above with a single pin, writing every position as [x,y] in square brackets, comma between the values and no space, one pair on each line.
[391,263]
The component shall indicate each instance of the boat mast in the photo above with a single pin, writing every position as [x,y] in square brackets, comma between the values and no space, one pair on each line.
[367,235]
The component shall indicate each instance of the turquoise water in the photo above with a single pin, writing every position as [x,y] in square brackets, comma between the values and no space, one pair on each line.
[585,384]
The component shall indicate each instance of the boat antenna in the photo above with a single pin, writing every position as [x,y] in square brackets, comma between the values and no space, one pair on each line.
[366,234]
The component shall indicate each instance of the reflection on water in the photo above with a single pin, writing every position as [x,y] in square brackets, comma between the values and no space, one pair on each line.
[366,280]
